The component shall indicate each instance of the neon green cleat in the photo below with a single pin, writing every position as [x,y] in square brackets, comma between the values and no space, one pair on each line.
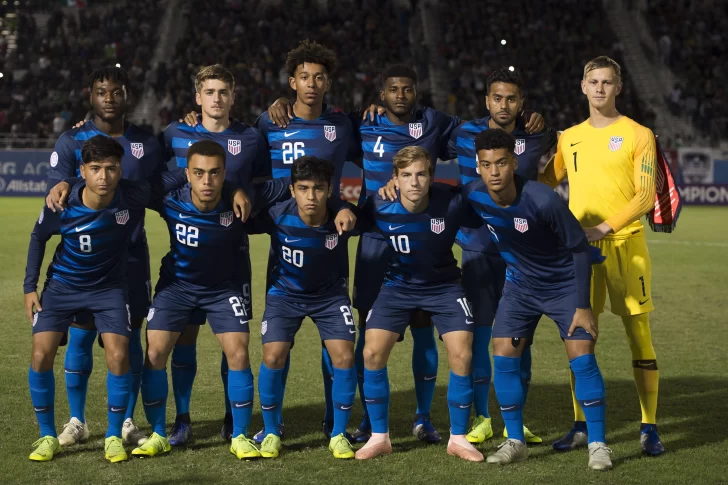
[244,448]
[271,446]
[481,430]
[530,437]
[155,445]
[46,449]
[114,450]
[340,447]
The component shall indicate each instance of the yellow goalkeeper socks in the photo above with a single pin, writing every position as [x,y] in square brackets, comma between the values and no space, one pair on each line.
[644,363]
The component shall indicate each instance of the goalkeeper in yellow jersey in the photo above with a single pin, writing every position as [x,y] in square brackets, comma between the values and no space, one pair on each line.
[610,161]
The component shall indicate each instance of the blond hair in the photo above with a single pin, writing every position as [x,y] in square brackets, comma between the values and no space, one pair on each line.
[215,71]
[408,155]
[602,62]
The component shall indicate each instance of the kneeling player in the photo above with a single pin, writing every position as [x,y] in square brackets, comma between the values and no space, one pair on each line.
[549,270]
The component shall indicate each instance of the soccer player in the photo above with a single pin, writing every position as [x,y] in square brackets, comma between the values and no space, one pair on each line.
[549,269]
[420,228]
[109,98]
[308,280]
[246,158]
[484,270]
[610,161]
[88,274]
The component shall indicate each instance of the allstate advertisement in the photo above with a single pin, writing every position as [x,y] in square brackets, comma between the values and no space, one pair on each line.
[24,172]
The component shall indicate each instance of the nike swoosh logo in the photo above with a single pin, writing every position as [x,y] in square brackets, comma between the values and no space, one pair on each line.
[241,405]
[587,404]
[182,216]
[370,401]
[468,322]
[189,144]
[346,408]
[291,240]
[430,378]
[508,408]
[153,403]
[286,134]
[79,229]
[243,322]
[116,410]
[395,227]
[352,331]
[73,371]
[643,302]
[486,217]
[267,408]
[575,143]
[463,406]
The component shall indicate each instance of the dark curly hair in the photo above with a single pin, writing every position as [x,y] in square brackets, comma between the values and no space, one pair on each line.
[313,168]
[495,139]
[310,51]
[504,75]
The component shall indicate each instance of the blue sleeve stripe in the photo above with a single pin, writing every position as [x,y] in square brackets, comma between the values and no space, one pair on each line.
[181,162]
[465,143]
[85,135]
[465,161]
[183,143]
[279,173]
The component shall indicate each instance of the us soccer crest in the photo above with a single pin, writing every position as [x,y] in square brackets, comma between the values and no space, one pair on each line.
[437,225]
[615,143]
[521,224]
[226,218]
[330,132]
[263,327]
[137,149]
[415,130]
[331,241]
[234,146]
[122,217]
[520,146]
[150,315]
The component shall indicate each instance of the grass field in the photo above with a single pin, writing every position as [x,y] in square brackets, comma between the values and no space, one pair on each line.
[689,274]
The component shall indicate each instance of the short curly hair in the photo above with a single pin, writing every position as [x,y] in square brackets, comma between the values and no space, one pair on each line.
[506,76]
[495,139]
[310,51]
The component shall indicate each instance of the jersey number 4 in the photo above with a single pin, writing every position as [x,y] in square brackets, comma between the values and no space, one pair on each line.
[379,147]
[292,151]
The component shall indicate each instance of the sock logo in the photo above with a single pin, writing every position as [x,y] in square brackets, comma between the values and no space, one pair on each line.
[152,404]
[268,408]
[41,409]
[117,409]
[242,404]
[592,403]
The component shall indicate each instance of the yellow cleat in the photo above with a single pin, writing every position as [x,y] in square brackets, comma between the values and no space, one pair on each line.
[244,448]
[46,449]
[340,447]
[155,445]
[530,437]
[114,450]
[271,446]
[481,430]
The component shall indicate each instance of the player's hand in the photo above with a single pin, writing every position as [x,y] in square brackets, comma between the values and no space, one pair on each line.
[597,233]
[345,221]
[57,196]
[372,110]
[389,191]
[242,205]
[281,112]
[584,318]
[79,124]
[31,300]
[534,123]
[191,118]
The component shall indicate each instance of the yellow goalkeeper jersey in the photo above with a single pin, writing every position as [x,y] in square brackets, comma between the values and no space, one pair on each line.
[611,173]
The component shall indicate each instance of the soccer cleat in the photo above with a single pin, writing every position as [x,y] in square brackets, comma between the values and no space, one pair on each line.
[226,432]
[341,447]
[181,434]
[510,451]
[481,430]
[244,448]
[271,446]
[155,445]
[114,450]
[363,432]
[650,440]
[423,430]
[131,434]
[260,435]
[600,457]
[46,449]
[328,428]
[530,437]
[464,451]
[74,432]
[575,438]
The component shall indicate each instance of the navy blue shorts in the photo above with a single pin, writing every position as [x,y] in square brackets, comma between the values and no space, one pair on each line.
[484,275]
[447,306]
[372,261]
[284,314]
[519,312]
[108,307]
[175,303]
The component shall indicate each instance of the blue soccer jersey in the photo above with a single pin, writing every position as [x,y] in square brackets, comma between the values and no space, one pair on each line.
[529,150]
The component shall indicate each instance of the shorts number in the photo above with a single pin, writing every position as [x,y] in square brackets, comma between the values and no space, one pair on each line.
[294,257]
[292,151]
[246,294]
[85,243]
[348,318]
[379,147]
[642,280]
[400,243]
[466,306]
[187,235]
[238,306]
[492,231]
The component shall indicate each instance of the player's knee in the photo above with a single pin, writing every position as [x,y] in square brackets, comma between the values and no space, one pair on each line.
[156,357]
[117,358]
[238,359]
[373,358]
[275,360]
[343,360]
[41,360]
[460,358]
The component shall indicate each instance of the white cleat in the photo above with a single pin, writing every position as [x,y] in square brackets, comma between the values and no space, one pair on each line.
[510,451]
[600,457]
[131,434]
[74,432]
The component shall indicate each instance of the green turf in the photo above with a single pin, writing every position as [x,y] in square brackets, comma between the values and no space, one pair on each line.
[689,288]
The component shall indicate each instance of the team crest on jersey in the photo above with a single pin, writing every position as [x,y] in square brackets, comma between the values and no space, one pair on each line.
[415,130]
[437,225]
[615,143]
[263,327]
[234,146]
[330,132]
[122,217]
[521,224]
[331,241]
[40,219]
[150,315]
[137,149]
[226,218]
[520,146]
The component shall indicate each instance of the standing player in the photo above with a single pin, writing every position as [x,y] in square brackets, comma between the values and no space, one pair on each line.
[109,98]
[549,268]
[610,161]
[484,270]
[246,158]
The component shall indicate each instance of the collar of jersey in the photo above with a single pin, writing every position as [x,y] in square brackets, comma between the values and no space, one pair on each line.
[200,128]
[95,128]
[383,120]
[324,112]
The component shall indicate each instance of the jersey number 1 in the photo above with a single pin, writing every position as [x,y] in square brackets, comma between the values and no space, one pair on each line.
[575,162]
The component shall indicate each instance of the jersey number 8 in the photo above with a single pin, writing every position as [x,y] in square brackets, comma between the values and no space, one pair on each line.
[85,243]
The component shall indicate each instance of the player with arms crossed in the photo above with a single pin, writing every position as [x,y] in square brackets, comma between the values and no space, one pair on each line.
[549,268]
[610,161]
[109,98]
